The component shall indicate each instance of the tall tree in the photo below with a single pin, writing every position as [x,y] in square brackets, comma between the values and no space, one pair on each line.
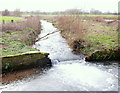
[17,12]
[96,12]
[5,12]
[73,11]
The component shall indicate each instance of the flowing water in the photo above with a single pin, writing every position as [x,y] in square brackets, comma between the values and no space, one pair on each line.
[69,72]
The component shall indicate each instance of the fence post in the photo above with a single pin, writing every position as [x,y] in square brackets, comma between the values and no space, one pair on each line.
[3,21]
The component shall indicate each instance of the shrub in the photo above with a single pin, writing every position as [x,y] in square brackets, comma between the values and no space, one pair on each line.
[31,22]
[71,28]
[17,37]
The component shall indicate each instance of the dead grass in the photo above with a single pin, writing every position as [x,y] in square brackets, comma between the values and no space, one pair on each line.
[71,28]
[17,37]
[31,22]
[86,35]
[28,29]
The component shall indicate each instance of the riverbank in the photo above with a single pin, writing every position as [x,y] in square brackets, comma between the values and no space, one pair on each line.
[16,40]
[16,67]
[93,37]
[17,37]
[19,75]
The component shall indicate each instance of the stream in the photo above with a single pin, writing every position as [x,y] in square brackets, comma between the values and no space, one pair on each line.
[69,72]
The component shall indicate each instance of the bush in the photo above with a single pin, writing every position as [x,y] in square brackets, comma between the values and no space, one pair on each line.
[17,37]
[71,28]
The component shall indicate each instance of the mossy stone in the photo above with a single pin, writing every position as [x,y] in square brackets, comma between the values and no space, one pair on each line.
[24,60]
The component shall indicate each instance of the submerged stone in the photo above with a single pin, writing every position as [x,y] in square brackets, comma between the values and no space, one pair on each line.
[104,55]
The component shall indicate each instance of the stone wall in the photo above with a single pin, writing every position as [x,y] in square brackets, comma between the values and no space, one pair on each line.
[24,60]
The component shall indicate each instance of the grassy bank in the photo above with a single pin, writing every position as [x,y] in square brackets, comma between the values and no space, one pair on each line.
[8,18]
[18,59]
[18,37]
[96,39]
[14,43]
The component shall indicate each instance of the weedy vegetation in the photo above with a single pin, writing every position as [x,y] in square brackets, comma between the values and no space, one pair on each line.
[87,35]
[17,37]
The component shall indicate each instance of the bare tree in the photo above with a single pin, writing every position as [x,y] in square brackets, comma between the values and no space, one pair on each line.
[5,12]
[17,13]
[73,11]
[96,12]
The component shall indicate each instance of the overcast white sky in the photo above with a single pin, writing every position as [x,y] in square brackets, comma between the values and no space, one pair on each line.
[59,5]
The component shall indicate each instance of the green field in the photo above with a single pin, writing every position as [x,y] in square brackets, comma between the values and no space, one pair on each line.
[8,18]
[108,16]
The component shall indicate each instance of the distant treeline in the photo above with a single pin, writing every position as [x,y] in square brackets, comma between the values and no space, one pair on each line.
[17,12]
[72,12]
